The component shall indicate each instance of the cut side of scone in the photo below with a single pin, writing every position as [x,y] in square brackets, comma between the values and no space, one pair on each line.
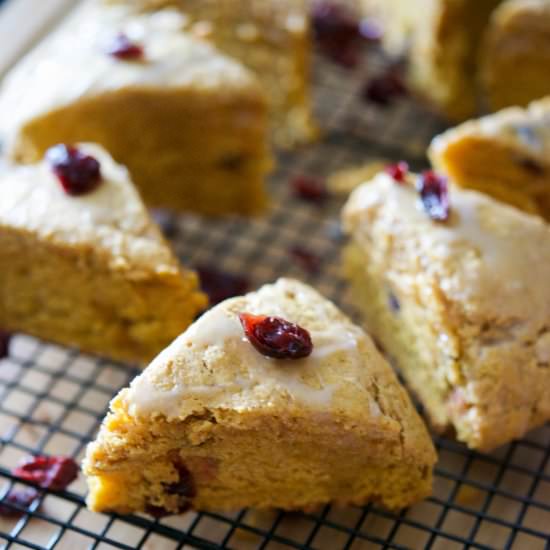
[215,423]
[83,265]
[515,53]
[506,155]
[441,40]
[272,39]
[461,302]
[189,123]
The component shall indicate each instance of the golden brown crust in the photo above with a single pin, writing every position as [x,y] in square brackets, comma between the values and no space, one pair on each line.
[504,155]
[471,333]
[339,421]
[91,271]
[515,56]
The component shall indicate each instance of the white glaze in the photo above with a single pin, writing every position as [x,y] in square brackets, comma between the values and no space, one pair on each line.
[33,198]
[220,329]
[471,224]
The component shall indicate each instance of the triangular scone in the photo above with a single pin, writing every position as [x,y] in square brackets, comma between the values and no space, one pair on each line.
[462,305]
[214,424]
[506,155]
[270,37]
[441,39]
[190,124]
[91,271]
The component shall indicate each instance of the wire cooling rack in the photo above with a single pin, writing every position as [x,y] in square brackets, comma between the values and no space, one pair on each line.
[52,399]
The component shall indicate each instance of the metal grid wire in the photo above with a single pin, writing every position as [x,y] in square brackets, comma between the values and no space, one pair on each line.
[52,399]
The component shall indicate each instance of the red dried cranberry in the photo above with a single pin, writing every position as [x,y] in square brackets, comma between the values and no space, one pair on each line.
[336,29]
[276,337]
[123,48]
[77,172]
[17,502]
[5,339]
[434,194]
[185,486]
[220,285]
[384,88]
[309,189]
[309,261]
[49,472]
[398,171]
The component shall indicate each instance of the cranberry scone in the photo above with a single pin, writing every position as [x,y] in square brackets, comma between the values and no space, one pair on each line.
[272,399]
[454,285]
[190,124]
[441,40]
[81,262]
[271,38]
[506,154]
[515,53]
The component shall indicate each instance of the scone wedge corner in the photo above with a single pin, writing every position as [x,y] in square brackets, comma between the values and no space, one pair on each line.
[214,424]
[505,154]
[91,271]
[462,306]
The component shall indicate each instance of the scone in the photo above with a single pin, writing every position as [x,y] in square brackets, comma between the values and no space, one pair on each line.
[190,124]
[515,53]
[248,410]
[81,262]
[462,304]
[270,37]
[441,39]
[506,155]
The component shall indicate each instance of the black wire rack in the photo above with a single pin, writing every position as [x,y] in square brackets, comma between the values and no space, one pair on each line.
[52,399]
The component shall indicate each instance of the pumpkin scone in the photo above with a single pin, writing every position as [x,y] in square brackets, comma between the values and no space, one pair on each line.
[190,124]
[506,155]
[441,41]
[81,262]
[515,54]
[454,285]
[270,37]
[272,399]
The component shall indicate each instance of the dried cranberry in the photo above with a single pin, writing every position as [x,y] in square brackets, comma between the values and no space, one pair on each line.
[77,172]
[17,502]
[309,261]
[384,88]
[434,194]
[309,189]
[5,339]
[220,285]
[48,472]
[123,48]
[158,512]
[185,486]
[398,171]
[337,31]
[276,337]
